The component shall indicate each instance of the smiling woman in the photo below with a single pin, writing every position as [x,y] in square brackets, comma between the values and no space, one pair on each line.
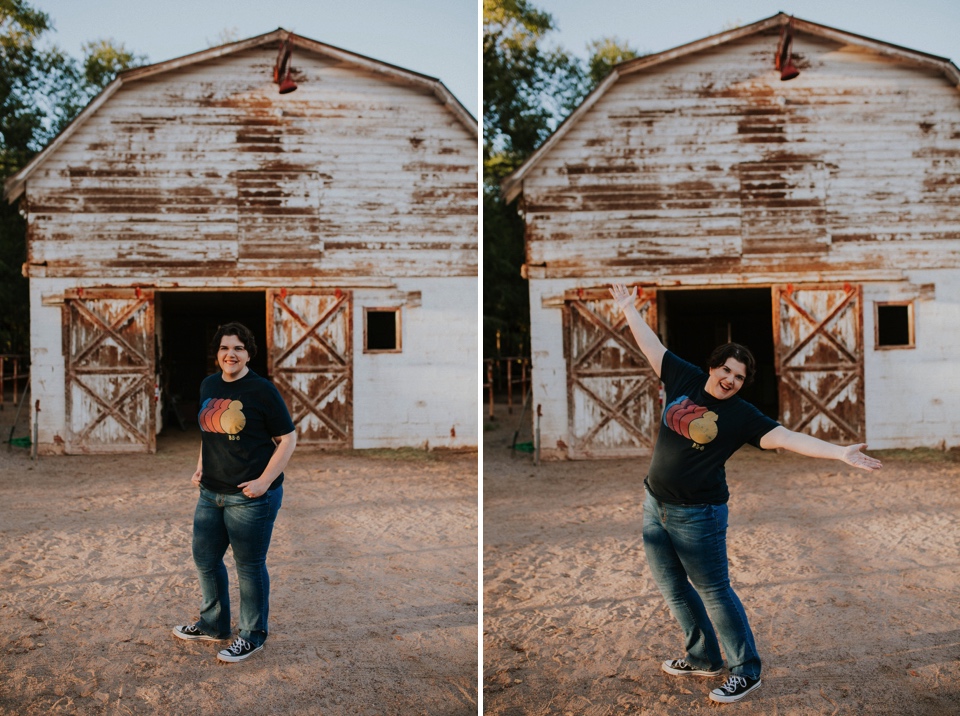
[248,438]
[685,511]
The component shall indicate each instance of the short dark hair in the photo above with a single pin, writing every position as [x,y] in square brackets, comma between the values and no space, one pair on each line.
[737,352]
[240,331]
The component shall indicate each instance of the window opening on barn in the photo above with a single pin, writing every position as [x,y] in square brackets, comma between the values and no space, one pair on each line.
[894,325]
[381,330]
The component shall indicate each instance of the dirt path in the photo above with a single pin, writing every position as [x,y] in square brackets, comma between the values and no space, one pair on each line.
[851,581]
[374,590]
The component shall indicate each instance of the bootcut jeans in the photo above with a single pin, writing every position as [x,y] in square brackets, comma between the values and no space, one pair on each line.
[686,547]
[246,525]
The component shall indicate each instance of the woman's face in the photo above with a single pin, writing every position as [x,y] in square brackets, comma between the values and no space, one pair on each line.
[232,357]
[727,379]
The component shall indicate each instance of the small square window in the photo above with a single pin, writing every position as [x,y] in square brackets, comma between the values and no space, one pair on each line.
[894,325]
[381,330]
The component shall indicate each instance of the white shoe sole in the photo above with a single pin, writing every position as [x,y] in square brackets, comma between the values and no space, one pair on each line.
[665,666]
[725,699]
[191,637]
[230,658]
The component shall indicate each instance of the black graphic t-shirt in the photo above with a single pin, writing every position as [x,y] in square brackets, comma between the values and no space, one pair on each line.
[698,434]
[239,420]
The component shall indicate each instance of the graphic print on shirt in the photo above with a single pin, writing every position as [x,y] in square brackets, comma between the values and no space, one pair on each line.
[690,420]
[222,415]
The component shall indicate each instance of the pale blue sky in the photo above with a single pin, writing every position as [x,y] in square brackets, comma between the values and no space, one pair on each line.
[438,38]
[931,26]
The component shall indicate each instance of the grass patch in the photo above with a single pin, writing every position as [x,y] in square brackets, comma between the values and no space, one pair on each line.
[406,454]
[918,455]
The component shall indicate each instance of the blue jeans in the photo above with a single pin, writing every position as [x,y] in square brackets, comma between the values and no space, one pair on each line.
[686,548]
[246,525]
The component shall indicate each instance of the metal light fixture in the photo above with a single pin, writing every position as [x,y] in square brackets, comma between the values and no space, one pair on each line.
[783,60]
[281,70]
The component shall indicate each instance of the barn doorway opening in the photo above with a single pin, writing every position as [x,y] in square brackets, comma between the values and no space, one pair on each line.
[186,324]
[693,322]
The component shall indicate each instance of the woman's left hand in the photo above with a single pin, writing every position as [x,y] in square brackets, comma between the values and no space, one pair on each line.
[252,489]
[853,455]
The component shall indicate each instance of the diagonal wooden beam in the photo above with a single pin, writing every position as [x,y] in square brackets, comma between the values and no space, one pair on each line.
[109,409]
[108,329]
[610,413]
[822,405]
[310,330]
[606,331]
[310,404]
[819,327]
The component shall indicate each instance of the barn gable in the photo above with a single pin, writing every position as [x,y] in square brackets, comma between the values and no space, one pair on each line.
[700,158]
[198,162]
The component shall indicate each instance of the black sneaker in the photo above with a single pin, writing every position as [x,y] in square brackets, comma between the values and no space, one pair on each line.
[238,650]
[191,633]
[734,689]
[679,667]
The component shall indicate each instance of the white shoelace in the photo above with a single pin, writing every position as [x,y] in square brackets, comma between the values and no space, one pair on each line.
[733,682]
[237,646]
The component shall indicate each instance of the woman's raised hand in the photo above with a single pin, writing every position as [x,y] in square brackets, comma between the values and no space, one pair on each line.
[623,296]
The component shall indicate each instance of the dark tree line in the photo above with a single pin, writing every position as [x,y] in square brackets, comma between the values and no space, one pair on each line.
[41,90]
[528,88]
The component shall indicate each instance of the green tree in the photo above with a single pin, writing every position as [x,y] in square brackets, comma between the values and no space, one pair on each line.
[41,91]
[105,59]
[528,89]
[605,53]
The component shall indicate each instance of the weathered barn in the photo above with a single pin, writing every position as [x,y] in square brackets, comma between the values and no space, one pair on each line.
[816,219]
[338,221]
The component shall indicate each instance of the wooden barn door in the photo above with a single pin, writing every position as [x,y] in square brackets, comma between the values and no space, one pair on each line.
[613,395]
[311,362]
[110,371]
[819,358]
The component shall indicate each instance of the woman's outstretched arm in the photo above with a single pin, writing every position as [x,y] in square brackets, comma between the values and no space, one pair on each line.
[781,437]
[649,342]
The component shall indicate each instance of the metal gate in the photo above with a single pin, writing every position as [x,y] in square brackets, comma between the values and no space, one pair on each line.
[311,362]
[819,330]
[613,395]
[110,371]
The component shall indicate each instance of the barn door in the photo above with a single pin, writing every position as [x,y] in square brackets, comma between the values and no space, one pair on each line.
[820,360]
[613,395]
[311,362]
[110,374]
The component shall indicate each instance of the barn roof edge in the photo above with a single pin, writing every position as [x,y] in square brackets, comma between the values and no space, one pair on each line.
[511,186]
[15,185]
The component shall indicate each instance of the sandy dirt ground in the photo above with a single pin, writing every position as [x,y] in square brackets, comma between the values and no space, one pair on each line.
[851,581]
[374,587]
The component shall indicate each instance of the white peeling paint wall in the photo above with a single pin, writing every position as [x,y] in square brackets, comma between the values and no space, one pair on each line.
[47,369]
[911,394]
[428,394]
[549,374]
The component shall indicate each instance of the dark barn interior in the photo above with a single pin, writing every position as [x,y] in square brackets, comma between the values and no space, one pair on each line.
[186,325]
[694,322]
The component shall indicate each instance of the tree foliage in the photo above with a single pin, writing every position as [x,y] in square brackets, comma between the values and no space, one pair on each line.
[528,89]
[41,90]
